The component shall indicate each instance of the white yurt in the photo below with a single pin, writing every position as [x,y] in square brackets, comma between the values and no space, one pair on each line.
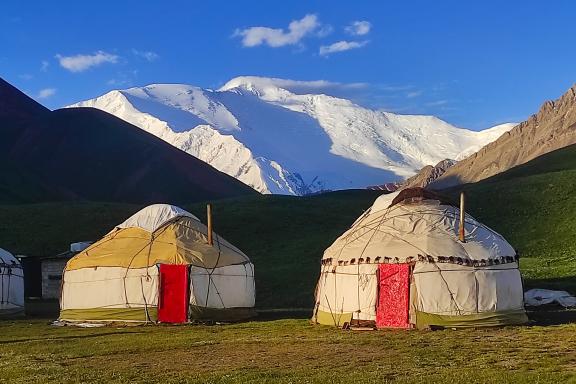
[160,265]
[403,264]
[11,286]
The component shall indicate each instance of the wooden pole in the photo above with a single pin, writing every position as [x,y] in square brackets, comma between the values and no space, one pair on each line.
[462,217]
[209,219]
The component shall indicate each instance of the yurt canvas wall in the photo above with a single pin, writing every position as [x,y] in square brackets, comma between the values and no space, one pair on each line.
[158,266]
[11,286]
[402,265]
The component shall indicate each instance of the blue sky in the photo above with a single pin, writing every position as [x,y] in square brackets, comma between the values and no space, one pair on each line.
[474,64]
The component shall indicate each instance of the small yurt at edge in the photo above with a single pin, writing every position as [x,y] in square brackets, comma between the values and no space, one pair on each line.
[160,265]
[11,286]
[405,264]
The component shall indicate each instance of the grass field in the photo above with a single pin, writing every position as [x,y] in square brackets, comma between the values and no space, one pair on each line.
[283,351]
[532,206]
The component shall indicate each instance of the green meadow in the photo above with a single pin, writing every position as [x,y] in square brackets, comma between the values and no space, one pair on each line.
[533,206]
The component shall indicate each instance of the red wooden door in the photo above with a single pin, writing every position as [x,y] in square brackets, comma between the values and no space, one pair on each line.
[393,296]
[173,295]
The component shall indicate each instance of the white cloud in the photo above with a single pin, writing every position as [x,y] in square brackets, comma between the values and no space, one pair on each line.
[341,46]
[80,63]
[44,66]
[325,30]
[437,103]
[147,55]
[46,93]
[123,78]
[359,28]
[394,88]
[278,37]
[414,94]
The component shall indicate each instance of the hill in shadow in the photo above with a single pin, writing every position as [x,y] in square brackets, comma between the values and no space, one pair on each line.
[88,154]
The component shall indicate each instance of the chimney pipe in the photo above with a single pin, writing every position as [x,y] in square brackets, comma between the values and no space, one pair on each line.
[209,219]
[462,217]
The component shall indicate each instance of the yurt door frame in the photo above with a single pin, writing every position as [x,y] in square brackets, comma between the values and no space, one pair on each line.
[393,305]
[173,293]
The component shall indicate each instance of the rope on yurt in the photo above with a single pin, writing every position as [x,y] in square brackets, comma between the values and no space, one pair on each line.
[382,219]
[148,319]
[316,301]
[3,266]
[126,302]
[2,287]
[321,280]
[245,277]
[458,310]
[358,265]
[214,269]
[7,270]
[245,265]
[331,312]
[221,244]
[450,212]
[477,292]
[8,290]
[210,275]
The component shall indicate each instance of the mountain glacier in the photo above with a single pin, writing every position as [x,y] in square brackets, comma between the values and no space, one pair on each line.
[277,140]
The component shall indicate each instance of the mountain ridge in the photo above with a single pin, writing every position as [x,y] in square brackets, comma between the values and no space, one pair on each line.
[552,127]
[88,154]
[278,141]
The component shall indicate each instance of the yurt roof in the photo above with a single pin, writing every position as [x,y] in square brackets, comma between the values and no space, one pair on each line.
[7,259]
[155,216]
[159,234]
[417,230]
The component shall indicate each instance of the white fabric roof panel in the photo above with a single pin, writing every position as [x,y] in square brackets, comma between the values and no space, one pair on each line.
[409,230]
[154,216]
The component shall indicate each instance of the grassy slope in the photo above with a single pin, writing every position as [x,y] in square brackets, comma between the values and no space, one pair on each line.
[534,207]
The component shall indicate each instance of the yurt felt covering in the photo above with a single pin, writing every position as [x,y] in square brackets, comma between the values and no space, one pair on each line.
[451,283]
[117,278]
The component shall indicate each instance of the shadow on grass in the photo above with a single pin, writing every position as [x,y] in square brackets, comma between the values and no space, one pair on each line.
[42,309]
[543,316]
[551,315]
[65,338]
[559,284]
[282,314]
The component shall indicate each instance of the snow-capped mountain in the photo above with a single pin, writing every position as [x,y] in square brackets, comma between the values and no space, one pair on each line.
[264,133]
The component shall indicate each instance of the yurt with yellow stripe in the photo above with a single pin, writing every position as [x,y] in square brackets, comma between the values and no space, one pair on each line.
[160,265]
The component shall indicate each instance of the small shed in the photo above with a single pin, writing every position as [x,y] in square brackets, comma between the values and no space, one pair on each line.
[52,268]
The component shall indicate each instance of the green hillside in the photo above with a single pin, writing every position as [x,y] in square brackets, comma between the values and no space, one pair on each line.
[284,236]
[79,154]
[533,206]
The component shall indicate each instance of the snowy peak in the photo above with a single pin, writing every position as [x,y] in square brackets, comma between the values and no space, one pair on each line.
[263,83]
[278,137]
[195,101]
